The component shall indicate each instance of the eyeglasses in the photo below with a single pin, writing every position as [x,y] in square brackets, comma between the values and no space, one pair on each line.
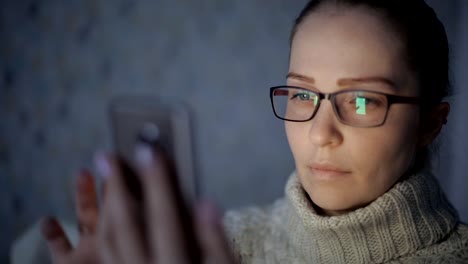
[357,108]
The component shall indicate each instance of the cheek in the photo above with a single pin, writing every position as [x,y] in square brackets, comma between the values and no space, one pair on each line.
[297,139]
[378,154]
[401,131]
[385,153]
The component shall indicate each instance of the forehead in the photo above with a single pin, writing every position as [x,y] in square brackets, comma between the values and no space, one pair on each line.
[347,43]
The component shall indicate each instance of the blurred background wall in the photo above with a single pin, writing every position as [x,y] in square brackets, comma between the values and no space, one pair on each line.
[62,61]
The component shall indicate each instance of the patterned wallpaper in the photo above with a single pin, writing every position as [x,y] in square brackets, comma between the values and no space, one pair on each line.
[61,62]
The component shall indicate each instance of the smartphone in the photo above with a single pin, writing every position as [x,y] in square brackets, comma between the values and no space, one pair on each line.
[166,127]
[165,123]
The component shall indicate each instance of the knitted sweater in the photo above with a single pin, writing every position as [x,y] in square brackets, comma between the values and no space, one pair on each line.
[411,223]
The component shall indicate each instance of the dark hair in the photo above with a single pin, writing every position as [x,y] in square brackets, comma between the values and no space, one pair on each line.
[426,44]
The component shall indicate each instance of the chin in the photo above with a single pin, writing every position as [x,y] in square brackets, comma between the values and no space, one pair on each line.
[332,206]
[328,204]
[334,196]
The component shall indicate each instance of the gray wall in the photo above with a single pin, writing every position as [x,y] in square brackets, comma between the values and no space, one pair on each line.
[60,63]
[451,161]
[458,178]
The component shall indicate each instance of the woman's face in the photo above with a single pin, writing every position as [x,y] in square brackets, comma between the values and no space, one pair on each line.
[342,167]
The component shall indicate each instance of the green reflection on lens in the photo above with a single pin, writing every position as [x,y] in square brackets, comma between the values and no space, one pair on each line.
[360,106]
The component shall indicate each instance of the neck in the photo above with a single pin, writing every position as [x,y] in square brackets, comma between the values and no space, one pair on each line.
[412,215]
[325,212]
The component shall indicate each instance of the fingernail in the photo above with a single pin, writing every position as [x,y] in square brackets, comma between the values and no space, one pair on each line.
[144,155]
[102,165]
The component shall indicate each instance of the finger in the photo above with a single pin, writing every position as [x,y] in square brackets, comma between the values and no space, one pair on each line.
[105,239]
[212,238]
[86,202]
[161,205]
[103,190]
[106,254]
[121,209]
[57,241]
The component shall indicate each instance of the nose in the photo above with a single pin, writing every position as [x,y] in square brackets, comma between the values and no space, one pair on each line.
[324,127]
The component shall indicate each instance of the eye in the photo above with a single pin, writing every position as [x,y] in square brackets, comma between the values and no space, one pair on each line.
[365,101]
[300,96]
[363,104]
[305,96]
[368,101]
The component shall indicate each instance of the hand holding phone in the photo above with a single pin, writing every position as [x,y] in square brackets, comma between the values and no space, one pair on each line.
[144,217]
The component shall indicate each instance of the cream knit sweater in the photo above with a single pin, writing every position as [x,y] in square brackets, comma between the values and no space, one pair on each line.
[412,223]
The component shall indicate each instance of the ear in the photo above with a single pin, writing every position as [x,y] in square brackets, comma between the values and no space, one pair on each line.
[432,124]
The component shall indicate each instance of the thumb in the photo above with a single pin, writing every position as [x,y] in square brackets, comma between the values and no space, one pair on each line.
[57,241]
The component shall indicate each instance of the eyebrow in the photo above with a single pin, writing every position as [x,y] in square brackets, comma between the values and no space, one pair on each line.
[300,77]
[345,81]
[353,81]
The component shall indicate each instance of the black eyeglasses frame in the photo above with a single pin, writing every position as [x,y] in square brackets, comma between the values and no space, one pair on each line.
[391,99]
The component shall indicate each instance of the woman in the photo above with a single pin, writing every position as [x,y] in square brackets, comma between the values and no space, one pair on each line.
[363,102]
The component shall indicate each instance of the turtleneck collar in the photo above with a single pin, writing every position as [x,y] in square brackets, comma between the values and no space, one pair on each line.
[412,215]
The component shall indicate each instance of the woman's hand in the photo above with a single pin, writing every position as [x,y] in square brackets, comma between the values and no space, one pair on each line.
[86,204]
[169,227]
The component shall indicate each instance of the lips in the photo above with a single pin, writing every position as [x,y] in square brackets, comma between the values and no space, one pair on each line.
[326,167]
[327,170]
